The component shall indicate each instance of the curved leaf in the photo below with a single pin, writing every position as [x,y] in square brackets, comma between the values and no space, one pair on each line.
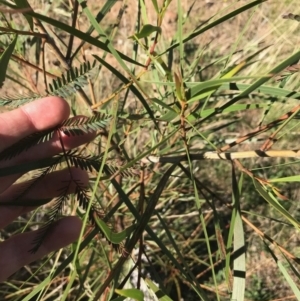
[132,293]
[115,238]
[4,59]
[72,80]
[146,31]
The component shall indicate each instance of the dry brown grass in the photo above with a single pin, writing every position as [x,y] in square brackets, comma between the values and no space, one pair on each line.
[243,35]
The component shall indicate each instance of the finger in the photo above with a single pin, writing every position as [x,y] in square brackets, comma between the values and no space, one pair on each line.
[44,150]
[55,145]
[49,187]
[14,252]
[36,116]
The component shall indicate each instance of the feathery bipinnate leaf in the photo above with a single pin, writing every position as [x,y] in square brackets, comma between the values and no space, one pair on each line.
[88,163]
[72,80]
[52,217]
[81,193]
[26,143]
[78,126]
[17,100]
[63,86]
[83,198]
[19,198]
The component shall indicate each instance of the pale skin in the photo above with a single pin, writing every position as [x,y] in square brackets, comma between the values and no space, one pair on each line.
[15,125]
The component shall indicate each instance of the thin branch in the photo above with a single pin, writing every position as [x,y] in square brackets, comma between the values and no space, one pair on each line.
[214,155]
[71,40]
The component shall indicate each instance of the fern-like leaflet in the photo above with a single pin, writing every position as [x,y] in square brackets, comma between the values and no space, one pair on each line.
[27,143]
[17,101]
[63,86]
[72,80]
[94,123]
[52,217]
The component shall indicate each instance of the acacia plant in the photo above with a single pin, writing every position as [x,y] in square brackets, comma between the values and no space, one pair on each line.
[161,110]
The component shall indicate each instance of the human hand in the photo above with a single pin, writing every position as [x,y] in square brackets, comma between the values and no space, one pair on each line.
[14,125]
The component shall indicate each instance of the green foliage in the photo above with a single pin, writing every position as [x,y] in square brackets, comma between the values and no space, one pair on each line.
[159,114]
[4,59]
[258,291]
[74,79]
[146,31]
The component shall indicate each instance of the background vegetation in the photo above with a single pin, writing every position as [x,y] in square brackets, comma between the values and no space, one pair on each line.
[178,78]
